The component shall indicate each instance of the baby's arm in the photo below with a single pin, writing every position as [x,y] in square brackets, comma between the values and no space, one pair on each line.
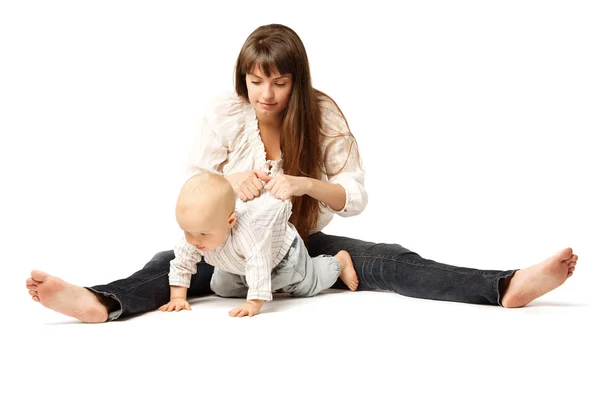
[178,300]
[250,308]
[258,277]
[183,266]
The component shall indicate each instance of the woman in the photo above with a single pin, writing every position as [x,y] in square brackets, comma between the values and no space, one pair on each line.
[277,121]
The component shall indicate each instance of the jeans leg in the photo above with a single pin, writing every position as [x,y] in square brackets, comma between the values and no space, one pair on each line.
[148,288]
[383,266]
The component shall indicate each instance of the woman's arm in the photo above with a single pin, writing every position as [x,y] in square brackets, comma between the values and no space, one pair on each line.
[343,191]
[343,164]
[332,194]
[285,186]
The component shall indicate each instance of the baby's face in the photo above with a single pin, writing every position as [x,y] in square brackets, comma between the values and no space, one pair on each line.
[206,232]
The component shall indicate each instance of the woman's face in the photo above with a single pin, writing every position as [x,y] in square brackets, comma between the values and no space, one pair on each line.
[268,95]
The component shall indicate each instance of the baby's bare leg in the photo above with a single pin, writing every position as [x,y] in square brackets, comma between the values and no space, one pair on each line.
[347,271]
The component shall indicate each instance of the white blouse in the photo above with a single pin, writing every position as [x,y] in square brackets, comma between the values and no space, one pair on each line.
[229,142]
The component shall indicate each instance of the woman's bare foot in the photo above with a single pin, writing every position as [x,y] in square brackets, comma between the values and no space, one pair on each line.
[347,271]
[65,298]
[530,283]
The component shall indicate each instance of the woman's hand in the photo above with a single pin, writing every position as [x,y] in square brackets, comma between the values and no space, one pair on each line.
[247,185]
[285,186]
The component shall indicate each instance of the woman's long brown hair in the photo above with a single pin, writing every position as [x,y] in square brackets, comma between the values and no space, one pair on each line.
[278,49]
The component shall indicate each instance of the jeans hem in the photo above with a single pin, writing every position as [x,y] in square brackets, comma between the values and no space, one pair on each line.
[112,315]
[507,274]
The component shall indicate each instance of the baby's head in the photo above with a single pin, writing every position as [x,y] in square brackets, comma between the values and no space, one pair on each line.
[206,210]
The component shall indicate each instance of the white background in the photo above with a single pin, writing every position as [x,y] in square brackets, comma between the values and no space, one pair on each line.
[478,124]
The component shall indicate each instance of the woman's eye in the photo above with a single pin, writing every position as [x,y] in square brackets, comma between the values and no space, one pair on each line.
[255,83]
[280,84]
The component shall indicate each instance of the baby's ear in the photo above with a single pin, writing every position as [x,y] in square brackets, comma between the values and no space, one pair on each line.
[232,219]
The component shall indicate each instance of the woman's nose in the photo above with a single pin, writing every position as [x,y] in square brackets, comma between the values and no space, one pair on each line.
[268,92]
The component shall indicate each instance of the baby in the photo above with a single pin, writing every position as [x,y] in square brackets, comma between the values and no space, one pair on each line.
[255,249]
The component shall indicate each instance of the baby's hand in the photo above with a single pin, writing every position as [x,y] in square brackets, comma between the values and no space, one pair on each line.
[176,304]
[249,308]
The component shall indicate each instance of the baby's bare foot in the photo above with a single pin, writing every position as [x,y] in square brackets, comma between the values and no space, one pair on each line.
[65,298]
[530,283]
[347,271]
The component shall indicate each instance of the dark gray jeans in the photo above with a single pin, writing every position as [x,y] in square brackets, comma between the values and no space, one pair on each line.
[379,266]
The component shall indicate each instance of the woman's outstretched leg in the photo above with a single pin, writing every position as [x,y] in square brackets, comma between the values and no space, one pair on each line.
[66,298]
[144,291]
[530,283]
[383,266]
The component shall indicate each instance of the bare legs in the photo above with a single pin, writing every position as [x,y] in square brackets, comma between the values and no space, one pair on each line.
[347,272]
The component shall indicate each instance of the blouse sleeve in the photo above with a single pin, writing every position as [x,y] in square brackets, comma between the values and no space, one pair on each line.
[342,161]
[222,120]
